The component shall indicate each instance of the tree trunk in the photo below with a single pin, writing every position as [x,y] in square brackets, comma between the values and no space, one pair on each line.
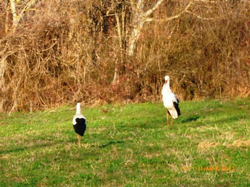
[138,21]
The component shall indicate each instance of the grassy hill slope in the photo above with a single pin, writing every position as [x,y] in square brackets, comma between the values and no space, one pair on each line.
[129,145]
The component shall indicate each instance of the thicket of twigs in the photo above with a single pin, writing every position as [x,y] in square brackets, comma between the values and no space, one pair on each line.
[70,51]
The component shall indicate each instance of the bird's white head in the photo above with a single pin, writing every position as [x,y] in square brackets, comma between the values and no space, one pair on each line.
[166,78]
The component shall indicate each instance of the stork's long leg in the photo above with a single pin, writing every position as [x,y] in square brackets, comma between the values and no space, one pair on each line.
[167,115]
[79,140]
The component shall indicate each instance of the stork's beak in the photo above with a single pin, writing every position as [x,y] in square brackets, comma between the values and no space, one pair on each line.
[166,81]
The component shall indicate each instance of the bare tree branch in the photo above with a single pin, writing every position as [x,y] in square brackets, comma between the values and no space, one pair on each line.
[178,15]
[199,17]
[139,19]
[15,16]
[150,11]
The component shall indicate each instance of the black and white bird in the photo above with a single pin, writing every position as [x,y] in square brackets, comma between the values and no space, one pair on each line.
[170,101]
[79,123]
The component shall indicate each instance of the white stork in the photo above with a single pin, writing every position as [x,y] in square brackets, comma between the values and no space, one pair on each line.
[79,123]
[170,101]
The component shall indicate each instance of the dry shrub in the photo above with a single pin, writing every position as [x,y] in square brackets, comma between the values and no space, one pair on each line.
[205,58]
[69,51]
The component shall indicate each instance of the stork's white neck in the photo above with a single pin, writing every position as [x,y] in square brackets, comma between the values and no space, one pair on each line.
[168,83]
[167,86]
[78,108]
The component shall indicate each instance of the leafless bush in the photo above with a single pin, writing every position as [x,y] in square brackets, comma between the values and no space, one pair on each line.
[69,51]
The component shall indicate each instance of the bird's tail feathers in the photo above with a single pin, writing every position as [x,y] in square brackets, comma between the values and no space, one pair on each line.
[173,113]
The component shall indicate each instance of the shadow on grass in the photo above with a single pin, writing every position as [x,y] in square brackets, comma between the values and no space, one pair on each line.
[217,120]
[189,119]
[38,145]
[229,120]
[25,148]
[111,143]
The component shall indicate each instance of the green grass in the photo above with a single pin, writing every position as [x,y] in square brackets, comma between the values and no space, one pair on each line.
[129,145]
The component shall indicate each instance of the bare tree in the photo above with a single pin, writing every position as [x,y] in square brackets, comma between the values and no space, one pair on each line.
[140,17]
[11,4]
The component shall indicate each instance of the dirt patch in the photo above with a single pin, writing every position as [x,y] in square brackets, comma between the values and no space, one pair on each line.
[4,157]
[239,143]
[206,145]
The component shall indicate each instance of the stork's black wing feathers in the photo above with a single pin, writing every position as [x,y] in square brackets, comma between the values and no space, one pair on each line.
[80,126]
[176,106]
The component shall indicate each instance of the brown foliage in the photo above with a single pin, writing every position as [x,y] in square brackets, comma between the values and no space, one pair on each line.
[68,51]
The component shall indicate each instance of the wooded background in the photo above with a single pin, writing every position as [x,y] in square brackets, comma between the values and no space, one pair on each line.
[99,51]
